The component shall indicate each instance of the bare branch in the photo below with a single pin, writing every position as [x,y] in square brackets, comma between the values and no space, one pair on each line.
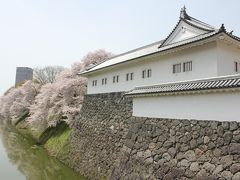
[46,74]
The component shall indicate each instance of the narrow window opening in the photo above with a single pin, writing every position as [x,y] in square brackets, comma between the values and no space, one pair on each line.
[127,76]
[117,78]
[143,74]
[236,66]
[187,66]
[176,68]
[94,83]
[131,76]
[149,73]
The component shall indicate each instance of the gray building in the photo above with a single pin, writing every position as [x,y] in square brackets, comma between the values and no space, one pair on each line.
[23,74]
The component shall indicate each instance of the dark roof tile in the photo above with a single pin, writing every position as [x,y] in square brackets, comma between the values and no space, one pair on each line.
[196,85]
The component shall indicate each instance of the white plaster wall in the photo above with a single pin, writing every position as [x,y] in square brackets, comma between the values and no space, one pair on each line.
[227,55]
[217,106]
[204,62]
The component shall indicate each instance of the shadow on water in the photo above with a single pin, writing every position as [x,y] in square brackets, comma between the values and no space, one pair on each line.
[32,161]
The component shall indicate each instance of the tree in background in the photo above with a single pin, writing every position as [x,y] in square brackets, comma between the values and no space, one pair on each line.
[62,99]
[44,75]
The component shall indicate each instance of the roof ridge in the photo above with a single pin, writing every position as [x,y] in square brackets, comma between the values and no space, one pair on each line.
[203,23]
[136,49]
[128,52]
[183,13]
[233,36]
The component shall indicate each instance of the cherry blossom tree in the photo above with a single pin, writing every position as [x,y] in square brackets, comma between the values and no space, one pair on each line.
[39,109]
[62,100]
[16,101]
[6,102]
[95,57]
[58,95]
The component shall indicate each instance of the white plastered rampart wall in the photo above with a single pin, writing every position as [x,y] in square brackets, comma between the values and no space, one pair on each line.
[204,64]
[221,106]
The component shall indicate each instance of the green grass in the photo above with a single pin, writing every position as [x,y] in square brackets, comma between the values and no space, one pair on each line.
[58,144]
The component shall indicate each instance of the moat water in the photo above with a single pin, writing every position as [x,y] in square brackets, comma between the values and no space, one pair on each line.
[21,158]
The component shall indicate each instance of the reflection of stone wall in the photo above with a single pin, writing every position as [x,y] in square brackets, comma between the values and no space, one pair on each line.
[108,142]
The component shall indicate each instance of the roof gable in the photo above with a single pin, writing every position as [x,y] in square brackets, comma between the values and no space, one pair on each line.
[186,28]
[182,32]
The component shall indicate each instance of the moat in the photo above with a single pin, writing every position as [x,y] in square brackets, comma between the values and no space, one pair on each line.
[21,158]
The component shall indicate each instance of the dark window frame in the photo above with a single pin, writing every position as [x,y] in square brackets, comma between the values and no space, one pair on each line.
[117,78]
[131,76]
[187,66]
[127,77]
[144,74]
[236,66]
[149,73]
[94,83]
[104,81]
[177,68]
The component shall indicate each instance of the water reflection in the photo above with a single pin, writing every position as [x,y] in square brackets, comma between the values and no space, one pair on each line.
[31,160]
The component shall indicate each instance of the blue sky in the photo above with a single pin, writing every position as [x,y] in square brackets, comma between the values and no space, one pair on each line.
[59,32]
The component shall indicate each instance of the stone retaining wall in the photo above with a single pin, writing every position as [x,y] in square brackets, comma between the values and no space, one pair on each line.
[107,142]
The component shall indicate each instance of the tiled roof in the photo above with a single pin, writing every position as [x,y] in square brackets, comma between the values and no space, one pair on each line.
[142,51]
[161,46]
[196,85]
[148,50]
